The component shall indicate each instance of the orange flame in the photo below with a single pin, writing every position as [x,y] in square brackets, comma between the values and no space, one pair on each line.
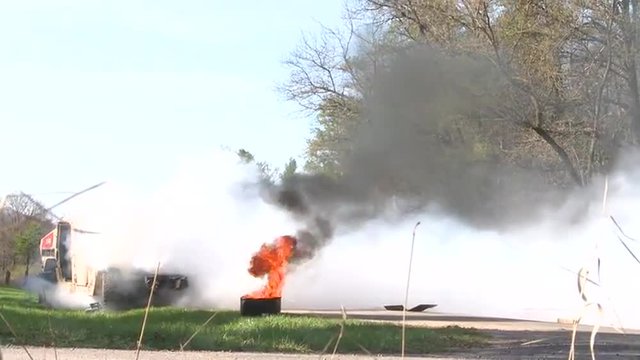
[271,260]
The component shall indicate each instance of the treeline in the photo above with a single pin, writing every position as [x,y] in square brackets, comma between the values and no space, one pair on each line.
[548,86]
[23,222]
[268,173]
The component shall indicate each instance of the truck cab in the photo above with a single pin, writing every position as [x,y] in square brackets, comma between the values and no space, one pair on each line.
[60,266]
[54,253]
[115,287]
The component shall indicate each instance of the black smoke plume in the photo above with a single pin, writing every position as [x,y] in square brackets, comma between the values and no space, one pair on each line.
[402,154]
[321,204]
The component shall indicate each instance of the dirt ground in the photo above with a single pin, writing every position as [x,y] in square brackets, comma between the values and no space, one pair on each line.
[105,354]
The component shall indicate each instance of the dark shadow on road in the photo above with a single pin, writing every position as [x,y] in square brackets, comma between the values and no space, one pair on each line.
[511,345]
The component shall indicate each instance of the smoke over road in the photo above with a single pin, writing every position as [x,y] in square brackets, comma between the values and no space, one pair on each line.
[494,240]
[207,222]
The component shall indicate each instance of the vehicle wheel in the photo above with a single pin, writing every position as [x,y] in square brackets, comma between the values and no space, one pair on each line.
[122,292]
[49,276]
[112,295]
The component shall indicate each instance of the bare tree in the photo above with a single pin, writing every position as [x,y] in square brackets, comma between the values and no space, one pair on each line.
[330,77]
[570,98]
[22,206]
[568,62]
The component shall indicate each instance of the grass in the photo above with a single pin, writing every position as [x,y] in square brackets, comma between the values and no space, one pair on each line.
[168,328]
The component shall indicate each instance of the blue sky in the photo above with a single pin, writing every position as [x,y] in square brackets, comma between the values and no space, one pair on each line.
[94,90]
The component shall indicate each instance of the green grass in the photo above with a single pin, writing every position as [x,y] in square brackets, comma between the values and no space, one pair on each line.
[167,328]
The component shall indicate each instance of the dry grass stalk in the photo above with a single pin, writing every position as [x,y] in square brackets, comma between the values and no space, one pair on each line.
[324,349]
[361,348]
[633,255]
[182,346]
[15,335]
[582,280]
[621,230]
[406,294]
[594,331]
[604,197]
[582,276]
[336,337]
[581,288]
[146,312]
[53,339]
[341,333]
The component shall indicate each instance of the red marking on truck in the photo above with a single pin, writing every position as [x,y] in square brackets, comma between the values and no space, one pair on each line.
[47,241]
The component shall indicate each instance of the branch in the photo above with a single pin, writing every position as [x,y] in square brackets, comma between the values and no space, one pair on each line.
[544,134]
[598,104]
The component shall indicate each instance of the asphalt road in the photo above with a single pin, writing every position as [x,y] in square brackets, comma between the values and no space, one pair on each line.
[512,339]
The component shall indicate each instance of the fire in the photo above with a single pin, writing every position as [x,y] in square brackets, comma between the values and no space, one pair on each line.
[272,260]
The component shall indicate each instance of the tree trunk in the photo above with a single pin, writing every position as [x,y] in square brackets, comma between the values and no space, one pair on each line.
[564,157]
[635,118]
[27,264]
[7,277]
[630,23]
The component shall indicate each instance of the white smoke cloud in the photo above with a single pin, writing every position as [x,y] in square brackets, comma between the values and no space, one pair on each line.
[526,273]
[203,222]
[56,296]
